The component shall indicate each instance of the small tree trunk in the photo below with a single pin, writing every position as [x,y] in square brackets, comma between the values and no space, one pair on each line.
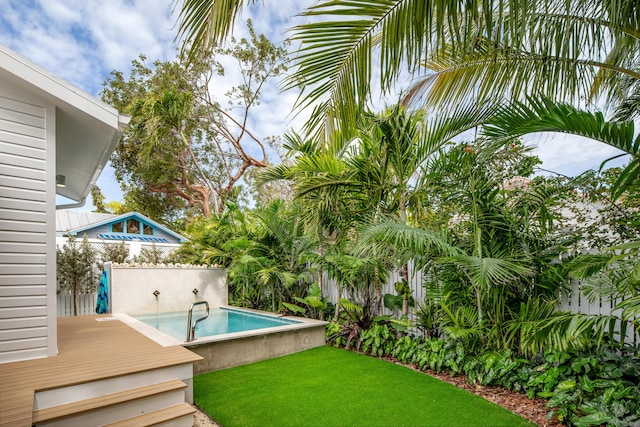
[75,298]
[405,306]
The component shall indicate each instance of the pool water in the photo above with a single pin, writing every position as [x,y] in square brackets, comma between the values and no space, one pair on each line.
[220,321]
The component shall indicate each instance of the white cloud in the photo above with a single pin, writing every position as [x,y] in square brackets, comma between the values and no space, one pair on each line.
[82,41]
[572,155]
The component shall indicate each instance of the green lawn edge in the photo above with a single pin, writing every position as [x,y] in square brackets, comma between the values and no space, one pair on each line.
[328,386]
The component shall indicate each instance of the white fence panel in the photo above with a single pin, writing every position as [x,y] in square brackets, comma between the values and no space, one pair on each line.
[86,304]
[577,302]
[574,300]
[330,290]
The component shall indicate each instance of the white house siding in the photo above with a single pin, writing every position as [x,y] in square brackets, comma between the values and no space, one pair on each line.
[26,328]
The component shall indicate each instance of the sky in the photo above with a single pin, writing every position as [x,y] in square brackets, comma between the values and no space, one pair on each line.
[82,41]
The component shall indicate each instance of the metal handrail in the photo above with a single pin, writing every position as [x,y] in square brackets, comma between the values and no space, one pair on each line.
[191,327]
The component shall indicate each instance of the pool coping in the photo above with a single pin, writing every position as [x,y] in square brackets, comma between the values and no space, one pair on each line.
[166,340]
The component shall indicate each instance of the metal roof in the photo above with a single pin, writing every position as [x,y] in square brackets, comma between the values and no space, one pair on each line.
[68,220]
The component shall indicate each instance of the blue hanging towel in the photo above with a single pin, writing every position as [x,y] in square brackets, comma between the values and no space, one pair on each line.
[102,303]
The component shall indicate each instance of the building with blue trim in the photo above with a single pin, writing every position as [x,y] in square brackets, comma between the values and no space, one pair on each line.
[138,231]
[130,227]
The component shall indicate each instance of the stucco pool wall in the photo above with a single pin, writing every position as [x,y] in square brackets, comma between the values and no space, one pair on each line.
[227,353]
[239,348]
[133,288]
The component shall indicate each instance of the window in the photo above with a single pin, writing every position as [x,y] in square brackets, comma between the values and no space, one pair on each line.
[133,226]
[147,229]
[117,227]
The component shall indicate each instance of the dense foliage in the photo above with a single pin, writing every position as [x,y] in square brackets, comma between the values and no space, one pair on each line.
[444,183]
[495,251]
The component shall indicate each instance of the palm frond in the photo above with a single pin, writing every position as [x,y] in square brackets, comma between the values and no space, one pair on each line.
[575,330]
[335,62]
[452,81]
[525,322]
[631,310]
[206,23]
[404,237]
[541,114]
[488,272]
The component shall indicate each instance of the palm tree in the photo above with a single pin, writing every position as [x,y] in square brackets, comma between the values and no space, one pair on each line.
[497,269]
[282,240]
[490,48]
[348,182]
[540,114]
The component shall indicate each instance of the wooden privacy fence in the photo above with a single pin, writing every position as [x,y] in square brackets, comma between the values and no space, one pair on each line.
[86,304]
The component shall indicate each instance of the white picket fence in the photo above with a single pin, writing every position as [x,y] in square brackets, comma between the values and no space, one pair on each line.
[86,304]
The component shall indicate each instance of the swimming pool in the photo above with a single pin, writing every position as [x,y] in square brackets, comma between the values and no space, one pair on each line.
[220,321]
[220,349]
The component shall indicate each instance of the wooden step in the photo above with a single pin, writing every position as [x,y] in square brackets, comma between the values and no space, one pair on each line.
[88,405]
[157,417]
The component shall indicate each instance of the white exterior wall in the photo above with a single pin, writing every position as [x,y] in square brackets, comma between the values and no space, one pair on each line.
[131,288]
[27,227]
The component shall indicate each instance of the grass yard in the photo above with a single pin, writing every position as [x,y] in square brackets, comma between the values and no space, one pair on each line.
[328,386]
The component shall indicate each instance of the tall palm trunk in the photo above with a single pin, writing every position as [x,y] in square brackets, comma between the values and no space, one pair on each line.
[336,315]
[477,243]
[378,286]
[404,270]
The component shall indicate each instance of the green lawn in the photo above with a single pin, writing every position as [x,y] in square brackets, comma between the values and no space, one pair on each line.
[328,386]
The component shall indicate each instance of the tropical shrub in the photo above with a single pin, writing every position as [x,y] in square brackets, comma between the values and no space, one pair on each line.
[266,252]
[314,305]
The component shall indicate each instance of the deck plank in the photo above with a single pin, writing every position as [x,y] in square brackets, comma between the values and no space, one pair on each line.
[88,350]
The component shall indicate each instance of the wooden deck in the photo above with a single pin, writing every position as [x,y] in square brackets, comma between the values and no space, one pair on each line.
[88,349]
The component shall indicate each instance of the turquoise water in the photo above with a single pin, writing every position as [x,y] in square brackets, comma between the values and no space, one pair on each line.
[220,321]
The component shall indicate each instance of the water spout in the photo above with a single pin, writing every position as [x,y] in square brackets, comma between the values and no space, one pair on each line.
[156,293]
[195,291]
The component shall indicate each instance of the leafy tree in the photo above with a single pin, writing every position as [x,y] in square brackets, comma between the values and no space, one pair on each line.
[76,268]
[117,252]
[98,200]
[183,152]
[150,255]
